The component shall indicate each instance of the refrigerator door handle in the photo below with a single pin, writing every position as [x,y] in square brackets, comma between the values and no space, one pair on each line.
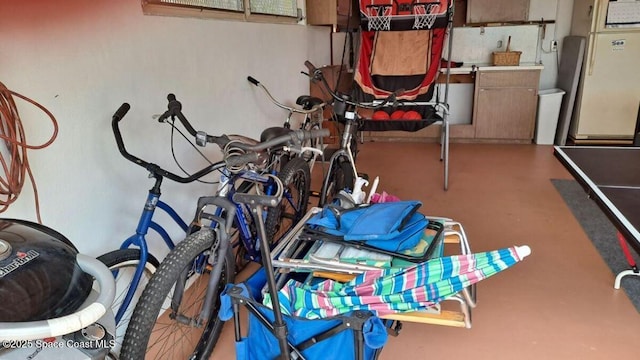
[599,11]
[593,44]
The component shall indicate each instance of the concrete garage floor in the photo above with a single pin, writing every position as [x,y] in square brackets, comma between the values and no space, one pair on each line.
[559,303]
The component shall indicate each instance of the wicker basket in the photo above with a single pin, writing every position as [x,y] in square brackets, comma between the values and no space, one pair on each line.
[506,58]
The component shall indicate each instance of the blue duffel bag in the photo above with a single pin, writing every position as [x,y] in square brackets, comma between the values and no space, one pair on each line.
[392,226]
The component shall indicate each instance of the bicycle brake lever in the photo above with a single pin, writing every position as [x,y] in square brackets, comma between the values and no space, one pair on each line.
[162,118]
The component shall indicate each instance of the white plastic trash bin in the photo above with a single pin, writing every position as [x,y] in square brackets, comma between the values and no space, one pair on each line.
[549,103]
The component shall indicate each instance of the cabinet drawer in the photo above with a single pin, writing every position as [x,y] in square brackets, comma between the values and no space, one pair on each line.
[508,78]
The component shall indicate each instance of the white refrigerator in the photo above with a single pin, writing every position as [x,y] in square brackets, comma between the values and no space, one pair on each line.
[608,98]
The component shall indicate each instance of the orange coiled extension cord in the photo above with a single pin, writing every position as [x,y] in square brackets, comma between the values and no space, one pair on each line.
[13,155]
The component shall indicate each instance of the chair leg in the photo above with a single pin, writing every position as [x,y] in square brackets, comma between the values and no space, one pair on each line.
[446,153]
[636,135]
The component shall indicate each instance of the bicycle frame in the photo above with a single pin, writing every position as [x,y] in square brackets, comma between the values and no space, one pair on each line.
[252,243]
[348,134]
[146,222]
[153,202]
[139,238]
[227,189]
[344,107]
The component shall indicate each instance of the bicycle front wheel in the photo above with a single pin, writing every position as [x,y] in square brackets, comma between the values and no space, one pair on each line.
[161,330]
[123,264]
[341,177]
[296,179]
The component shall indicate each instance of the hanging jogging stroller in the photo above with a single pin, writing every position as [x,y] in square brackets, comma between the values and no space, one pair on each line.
[358,335]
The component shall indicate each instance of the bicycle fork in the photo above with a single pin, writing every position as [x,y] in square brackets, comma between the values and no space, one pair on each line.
[218,251]
[344,151]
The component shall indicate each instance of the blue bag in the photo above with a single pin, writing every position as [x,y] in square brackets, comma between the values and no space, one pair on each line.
[393,226]
[355,335]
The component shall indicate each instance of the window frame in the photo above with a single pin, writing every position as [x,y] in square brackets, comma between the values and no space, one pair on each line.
[156,7]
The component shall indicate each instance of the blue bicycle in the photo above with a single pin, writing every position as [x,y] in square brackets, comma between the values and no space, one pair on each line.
[134,265]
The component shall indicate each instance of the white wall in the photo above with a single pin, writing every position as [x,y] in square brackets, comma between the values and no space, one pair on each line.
[475,45]
[557,31]
[82,59]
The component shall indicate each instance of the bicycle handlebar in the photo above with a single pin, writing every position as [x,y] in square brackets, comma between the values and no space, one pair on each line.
[253,80]
[242,160]
[154,168]
[281,105]
[253,152]
[316,74]
[296,137]
[121,112]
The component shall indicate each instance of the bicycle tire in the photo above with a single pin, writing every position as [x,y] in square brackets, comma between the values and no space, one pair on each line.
[149,311]
[354,145]
[296,179]
[341,177]
[126,261]
[278,160]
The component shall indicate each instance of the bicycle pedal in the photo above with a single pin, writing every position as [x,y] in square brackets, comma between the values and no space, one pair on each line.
[314,194]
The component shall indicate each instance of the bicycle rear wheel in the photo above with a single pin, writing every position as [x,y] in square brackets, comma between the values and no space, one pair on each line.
[296,179]
[156,331]
[123,264]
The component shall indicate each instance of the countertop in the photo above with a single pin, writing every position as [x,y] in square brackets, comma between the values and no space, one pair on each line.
[469,68]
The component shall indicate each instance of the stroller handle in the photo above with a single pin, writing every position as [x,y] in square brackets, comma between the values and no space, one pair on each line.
[87,315]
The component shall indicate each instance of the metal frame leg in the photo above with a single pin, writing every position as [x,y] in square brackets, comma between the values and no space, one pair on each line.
[627,253]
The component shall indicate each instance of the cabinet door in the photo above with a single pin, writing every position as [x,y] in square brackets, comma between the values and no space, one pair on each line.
[341,14]
[483,11]
[505,113]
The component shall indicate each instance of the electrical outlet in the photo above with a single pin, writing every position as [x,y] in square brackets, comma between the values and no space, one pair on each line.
[554,45]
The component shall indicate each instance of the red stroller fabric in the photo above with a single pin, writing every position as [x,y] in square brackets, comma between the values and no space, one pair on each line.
[381,83]
[408,59]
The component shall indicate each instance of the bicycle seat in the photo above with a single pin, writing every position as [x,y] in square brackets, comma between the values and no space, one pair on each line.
[273,132]
[307,101]
[39,276]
